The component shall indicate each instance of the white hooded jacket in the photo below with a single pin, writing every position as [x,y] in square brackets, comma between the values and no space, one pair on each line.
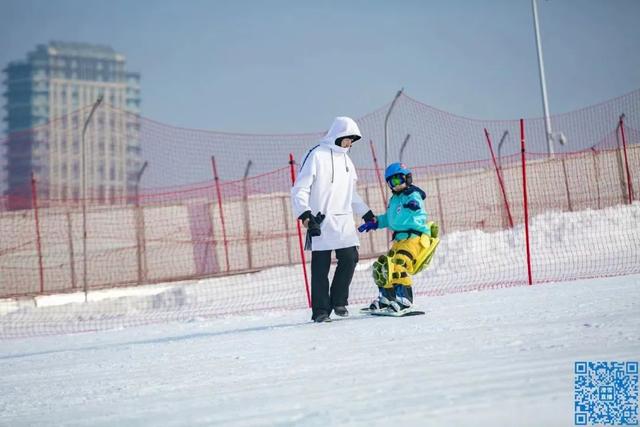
[326,183]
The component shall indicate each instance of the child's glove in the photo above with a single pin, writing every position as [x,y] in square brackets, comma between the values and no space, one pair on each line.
[435,229]
[369,216]
[368,226]
[412,204]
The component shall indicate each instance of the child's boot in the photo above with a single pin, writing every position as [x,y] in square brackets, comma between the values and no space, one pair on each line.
[403,298]
[385,297]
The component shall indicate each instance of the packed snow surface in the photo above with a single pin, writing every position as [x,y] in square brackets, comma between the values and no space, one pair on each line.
[499,357]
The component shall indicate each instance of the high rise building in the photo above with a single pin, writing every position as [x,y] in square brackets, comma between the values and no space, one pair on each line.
[48,97]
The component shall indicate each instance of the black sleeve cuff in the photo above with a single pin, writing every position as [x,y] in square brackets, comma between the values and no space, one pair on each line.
[369,216]
[305,215]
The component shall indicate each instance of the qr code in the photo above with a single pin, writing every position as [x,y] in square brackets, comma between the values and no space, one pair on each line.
[606,393]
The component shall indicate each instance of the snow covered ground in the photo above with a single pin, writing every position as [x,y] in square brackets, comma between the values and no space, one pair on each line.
[502,357]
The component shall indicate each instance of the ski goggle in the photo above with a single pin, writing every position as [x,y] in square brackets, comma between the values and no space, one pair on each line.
[395,180]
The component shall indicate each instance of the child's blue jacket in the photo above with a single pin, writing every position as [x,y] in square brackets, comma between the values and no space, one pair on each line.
[401,218]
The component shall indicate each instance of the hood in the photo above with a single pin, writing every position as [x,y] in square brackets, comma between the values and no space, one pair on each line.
[342,126]
[412,189]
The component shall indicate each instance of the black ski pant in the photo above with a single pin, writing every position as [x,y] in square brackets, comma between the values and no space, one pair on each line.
[324,299]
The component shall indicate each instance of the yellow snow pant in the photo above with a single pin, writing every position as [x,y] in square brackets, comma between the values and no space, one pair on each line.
[405,258]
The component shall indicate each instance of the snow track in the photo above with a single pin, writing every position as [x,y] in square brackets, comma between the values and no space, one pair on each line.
[500,357]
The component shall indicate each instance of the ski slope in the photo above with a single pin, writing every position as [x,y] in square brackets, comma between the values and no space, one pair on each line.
[502,357]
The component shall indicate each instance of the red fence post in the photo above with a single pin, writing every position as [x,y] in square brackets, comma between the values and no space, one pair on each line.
[34,198]
[219,193]
[596,170]
[500,181]
[247,222]
[304,261]
[524,195]
[626,161]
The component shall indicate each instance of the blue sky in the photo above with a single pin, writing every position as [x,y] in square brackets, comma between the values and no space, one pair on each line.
[291,66]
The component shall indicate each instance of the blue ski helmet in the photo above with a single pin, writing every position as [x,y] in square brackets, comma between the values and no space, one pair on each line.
[398,169]
[395,169]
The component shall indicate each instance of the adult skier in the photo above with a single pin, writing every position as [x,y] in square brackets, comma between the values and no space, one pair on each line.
[324,198]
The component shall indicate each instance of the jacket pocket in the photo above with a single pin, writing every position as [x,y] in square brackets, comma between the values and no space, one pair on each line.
[338,227]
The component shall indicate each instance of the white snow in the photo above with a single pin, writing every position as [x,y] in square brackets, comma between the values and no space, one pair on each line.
[502,357]
[154,355]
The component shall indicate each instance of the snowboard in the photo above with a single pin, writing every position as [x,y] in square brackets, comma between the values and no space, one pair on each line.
[390,313]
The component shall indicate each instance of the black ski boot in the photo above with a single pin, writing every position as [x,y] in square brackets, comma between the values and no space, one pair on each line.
[341,311]
[321,318]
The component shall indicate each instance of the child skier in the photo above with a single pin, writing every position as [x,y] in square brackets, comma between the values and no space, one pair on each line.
[414,242]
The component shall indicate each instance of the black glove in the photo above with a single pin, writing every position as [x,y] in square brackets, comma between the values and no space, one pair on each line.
[369,217]
[305,215]
[313,227]
[314,224]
